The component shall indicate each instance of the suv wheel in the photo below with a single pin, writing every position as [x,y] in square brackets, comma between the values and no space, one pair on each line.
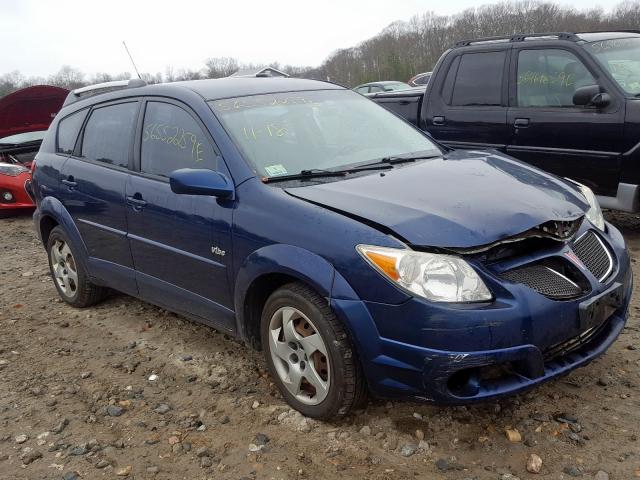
[69,276]
[309,354]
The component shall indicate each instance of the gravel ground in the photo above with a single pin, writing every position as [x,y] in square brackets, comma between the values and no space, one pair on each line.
[127,390]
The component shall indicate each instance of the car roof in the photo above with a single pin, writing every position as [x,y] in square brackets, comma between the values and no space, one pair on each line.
[506,41]
[216,89]
[209,89]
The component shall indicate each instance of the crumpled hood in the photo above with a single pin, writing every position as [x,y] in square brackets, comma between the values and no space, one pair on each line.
[465,200]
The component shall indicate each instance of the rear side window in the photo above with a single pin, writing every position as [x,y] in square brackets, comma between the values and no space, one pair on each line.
[68,130]
[172,139]
[479,79]
[108,133]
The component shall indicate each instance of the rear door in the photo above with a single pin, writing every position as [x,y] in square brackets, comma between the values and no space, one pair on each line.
[181,244]
[550,132]
[92,189]
[467,104]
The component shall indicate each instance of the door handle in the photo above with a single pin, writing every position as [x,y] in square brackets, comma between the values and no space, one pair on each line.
[136,202]
[521,123]
[70,182]
[439,120]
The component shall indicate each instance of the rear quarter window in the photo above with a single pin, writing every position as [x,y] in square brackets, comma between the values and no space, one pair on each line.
[68,129]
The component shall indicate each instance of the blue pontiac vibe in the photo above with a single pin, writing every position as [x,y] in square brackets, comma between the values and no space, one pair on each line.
[355,251]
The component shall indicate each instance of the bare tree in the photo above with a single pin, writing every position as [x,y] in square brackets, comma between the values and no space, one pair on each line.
[219,67]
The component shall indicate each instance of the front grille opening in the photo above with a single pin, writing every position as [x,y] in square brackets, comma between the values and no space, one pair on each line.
[554,277]
[576,343]
[594,255]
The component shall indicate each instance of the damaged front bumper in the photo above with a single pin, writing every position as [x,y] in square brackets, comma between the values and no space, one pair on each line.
[458,354]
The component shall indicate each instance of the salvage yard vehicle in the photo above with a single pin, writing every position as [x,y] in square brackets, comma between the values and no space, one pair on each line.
[386,86]
[308,221]
[16,154]
[568,103]
[25,116]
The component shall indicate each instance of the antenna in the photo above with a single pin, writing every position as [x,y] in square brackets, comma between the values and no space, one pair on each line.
[131,58]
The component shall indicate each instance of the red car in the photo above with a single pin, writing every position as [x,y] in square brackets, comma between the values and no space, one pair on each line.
[16,156]
[25,116]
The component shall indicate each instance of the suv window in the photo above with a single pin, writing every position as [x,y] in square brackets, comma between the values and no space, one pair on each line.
[172,139]
[479,79]
[548,78]
[68,130]
[107,134]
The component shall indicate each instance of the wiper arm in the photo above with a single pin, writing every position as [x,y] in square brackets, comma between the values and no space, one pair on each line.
[305,175]
[400,159]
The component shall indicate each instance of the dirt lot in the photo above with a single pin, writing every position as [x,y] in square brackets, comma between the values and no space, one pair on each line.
[76,401]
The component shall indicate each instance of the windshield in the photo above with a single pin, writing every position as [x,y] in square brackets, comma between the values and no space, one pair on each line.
[23,137]
[285,133]
[396,86]
[621,57]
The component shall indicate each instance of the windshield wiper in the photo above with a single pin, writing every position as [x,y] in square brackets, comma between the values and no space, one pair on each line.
[384,163]
[399,159]
[306,174]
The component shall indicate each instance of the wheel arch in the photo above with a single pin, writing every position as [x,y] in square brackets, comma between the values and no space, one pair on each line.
[271,267]
[52,213]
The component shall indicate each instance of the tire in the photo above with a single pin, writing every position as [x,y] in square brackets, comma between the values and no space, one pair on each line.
[69,276]
[320,376]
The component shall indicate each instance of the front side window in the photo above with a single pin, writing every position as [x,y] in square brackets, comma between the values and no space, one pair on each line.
[108,134]
[621,57]
[479,79]
[172,139]
[550,77]
[68,130]
[286,133]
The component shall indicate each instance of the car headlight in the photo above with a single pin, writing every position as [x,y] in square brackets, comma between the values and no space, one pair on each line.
[594,214]
[12,170]
[436,277]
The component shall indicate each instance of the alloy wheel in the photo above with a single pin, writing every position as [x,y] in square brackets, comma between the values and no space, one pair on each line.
[299,355]
[64,268]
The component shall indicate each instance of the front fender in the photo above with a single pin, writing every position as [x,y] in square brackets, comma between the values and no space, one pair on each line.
[296,262]
[52,207]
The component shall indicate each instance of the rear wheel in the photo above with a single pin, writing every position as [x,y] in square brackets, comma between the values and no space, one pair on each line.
[69,276]
[309,353]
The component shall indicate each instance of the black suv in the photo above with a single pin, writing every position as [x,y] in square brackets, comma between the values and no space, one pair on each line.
[565,102]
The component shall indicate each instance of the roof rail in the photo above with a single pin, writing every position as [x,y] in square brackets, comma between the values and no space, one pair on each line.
[98,88]
[520,37]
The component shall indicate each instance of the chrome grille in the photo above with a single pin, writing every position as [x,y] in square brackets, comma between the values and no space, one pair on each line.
[545,281]
[594,255]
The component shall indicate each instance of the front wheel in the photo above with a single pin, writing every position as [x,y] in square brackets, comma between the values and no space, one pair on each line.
[309,353]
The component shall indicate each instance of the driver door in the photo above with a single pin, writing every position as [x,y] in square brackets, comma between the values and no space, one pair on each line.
[181,244]
[550,132]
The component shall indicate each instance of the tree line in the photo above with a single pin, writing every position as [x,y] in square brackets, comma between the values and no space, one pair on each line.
[401,50]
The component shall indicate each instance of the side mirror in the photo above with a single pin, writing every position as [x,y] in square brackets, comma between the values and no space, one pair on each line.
[192,181]
[591,95]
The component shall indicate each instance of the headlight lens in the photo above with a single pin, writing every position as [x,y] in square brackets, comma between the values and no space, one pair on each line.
[439,278]
[594,214]
[12,170]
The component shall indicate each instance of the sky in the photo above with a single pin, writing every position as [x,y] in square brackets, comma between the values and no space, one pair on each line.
[39,36]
